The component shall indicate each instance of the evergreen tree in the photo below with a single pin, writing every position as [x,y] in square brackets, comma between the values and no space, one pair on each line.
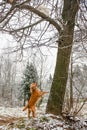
[30,75]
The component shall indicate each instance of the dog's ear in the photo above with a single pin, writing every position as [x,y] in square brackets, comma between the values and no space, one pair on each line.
[36,84]
[33,87]
[30,90]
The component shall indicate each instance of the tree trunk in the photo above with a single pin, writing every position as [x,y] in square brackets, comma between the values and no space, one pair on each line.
[57,93]
[24,98]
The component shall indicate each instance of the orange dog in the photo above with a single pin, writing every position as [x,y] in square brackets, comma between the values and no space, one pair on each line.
[36,93]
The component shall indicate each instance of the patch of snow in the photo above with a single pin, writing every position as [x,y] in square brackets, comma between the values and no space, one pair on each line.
[14,112]
[43,9]
[42,122]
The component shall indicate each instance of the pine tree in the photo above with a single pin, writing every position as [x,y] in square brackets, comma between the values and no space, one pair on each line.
[29,76]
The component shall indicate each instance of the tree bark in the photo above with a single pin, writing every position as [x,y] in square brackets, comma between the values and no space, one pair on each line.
[57,93]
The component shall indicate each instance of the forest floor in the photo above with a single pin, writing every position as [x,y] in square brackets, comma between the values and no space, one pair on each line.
[16,119]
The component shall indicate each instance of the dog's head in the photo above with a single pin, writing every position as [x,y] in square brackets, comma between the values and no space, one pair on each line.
[33,86]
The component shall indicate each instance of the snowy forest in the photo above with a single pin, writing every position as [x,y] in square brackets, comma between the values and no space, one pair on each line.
[43,42]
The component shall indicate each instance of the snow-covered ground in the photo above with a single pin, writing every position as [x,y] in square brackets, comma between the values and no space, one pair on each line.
[16,119]
[17,111]
[13,112]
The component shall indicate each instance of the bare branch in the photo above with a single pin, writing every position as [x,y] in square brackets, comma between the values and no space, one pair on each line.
[23,28]
[34,10]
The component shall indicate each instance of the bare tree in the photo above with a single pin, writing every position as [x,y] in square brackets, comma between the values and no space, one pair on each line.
[7,79]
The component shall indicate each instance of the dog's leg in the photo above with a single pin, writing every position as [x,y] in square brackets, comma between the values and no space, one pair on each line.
[33,112]
[29,111]
[42,93]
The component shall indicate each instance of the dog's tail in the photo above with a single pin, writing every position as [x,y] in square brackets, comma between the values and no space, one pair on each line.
[25,107]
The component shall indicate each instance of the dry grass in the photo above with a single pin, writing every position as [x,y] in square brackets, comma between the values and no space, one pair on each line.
[8,120]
